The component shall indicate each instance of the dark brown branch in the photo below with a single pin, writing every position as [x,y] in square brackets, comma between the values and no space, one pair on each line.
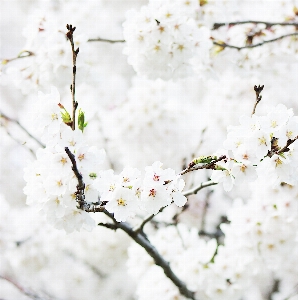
[4,116]
[210,165]
[80,196]
[152,251]
[224,45]
[106,40]
[75,53]
[268,24]
[258,89]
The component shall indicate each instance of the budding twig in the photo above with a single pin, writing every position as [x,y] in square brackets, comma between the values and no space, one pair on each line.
[258,89]
[210,165]
[69,36]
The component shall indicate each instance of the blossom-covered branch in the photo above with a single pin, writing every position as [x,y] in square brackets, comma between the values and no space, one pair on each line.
[135,235]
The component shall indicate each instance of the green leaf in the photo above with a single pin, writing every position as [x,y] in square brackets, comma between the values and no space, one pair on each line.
[81,120]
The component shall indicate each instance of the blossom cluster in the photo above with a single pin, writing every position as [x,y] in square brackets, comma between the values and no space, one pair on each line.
[51,181]
[164,39]
[261,146]
[126,193]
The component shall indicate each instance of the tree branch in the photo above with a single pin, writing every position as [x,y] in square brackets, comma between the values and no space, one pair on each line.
[268,24]
[4,116]
[138,237]
[69,36]
[152,251]
[224,45]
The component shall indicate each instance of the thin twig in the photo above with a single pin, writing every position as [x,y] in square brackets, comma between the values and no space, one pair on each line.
[225,45]
[106,40]
[258,89]
[25,291]
[198,188]
[22,54]
[93,268]
[4,116]
[75,53]
[268,24]
[152,251]
[139,229]
[18,142]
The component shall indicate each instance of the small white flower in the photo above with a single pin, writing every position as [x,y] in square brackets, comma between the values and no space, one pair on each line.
[123,203]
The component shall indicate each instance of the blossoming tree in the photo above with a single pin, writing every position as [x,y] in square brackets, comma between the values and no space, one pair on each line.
[146,149]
